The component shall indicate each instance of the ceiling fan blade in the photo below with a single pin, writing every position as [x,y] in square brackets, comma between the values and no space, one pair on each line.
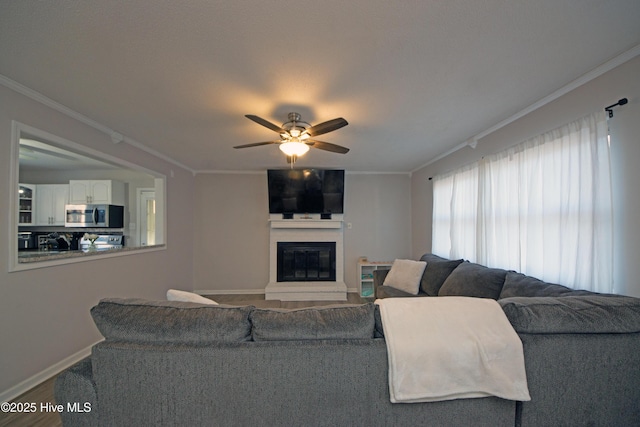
[256,144]
[327,146]
[265,123]
[326,127]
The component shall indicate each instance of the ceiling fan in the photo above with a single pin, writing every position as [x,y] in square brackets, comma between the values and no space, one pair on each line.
[296,136]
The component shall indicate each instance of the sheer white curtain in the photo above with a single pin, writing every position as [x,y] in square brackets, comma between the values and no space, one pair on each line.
[455,208]
[542,208]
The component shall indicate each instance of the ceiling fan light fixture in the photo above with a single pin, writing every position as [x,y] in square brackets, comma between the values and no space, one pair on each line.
[295,135]
[293,148]
[295,132]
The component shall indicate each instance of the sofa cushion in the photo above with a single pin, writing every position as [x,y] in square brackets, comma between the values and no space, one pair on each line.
[573,314]
[437,271]
[391,292]
[378,328]
[405,274]
[519,285]
[328,322]
[474,280]
[147,321]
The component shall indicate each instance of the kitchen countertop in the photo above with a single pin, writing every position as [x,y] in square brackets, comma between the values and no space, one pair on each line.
[37,256]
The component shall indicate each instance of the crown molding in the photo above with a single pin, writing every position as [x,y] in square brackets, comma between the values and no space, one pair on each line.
[116,137]
[585,78]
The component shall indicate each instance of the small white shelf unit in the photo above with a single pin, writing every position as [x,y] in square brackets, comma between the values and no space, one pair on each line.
[365,276]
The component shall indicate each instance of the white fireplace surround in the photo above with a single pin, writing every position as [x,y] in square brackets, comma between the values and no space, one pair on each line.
[306,229]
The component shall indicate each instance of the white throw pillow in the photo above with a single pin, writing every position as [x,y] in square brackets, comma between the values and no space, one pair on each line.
[405,275]
[176,295]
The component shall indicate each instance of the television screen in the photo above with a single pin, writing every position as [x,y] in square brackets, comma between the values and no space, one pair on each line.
[306,190]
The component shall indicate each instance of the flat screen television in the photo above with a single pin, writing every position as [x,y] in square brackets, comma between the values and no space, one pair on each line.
[309,191]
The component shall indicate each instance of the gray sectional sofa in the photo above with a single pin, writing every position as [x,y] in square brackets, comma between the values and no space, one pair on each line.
[178,363]
[581,349]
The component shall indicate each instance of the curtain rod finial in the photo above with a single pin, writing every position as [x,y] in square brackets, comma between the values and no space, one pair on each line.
[609,110]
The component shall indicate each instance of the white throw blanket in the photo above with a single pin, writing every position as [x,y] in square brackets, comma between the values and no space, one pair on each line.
[444,348]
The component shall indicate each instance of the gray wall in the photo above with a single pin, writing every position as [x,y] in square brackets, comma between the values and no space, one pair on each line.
[605,90]
[231,244]
[379,209]
[44,313]
[231,241]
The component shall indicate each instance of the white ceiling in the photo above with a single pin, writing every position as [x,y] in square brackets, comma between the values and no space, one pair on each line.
[414,78]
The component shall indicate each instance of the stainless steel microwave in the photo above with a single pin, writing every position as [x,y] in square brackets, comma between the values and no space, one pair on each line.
[107,216]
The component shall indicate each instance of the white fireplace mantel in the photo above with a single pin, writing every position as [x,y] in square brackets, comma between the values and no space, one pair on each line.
[305,230]
[305,223]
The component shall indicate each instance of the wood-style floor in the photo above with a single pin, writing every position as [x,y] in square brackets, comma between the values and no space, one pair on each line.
[43,393]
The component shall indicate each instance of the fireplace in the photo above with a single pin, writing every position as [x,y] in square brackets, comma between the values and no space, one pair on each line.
[306,261]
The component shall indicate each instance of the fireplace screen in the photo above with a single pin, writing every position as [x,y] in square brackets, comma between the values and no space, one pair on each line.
[306,261]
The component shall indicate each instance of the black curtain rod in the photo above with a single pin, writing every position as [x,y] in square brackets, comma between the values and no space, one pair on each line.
[608,109]
[620,102]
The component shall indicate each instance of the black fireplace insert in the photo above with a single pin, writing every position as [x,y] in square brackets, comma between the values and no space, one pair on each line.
[306,261]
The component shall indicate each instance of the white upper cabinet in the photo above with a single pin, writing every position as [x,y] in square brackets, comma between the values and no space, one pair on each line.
[50,201]
[96,192]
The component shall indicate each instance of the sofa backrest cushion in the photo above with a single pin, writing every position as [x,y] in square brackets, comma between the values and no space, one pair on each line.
[519,285]
[328,322]
[474,280]
[437,271]
[144,321]
[573,314]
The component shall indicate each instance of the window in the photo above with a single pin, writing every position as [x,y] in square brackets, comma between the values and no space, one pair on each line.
[543,208]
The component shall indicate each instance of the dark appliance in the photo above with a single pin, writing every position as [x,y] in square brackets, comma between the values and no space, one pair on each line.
[26,240]
[57,242]
[306,191]
[107,216]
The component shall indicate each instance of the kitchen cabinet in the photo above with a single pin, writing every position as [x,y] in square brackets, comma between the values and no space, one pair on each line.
[50,201]
[26,204]
[108,192]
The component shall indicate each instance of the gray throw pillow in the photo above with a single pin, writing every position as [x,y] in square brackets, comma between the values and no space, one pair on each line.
[437,271]
[147,321]
[474,280]
[329,322]
[519,285]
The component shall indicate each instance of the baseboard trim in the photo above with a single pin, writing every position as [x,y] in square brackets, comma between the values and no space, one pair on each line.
[44,375]
[229,291]
[260,291]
